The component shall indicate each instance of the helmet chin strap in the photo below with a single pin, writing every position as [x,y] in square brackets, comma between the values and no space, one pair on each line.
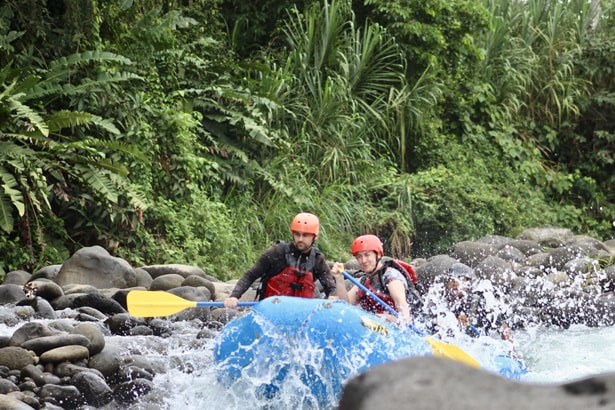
[378,259]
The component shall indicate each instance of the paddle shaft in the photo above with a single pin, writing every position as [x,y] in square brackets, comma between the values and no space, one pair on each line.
[370,293]
[221,304]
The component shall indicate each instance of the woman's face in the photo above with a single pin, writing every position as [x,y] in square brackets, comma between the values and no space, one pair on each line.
[368,260]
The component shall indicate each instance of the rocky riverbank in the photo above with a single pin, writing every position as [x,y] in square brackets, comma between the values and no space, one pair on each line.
[67,360]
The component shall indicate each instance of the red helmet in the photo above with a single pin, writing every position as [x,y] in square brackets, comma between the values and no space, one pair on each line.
[367,243]
[306,223]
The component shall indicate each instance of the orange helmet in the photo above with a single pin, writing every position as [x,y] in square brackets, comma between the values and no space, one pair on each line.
[306,223]
[367,243]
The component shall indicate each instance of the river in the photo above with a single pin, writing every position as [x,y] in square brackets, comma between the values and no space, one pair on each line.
[189,382]
[551,355]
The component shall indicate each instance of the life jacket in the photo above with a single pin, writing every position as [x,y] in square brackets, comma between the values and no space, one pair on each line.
[296,279]
[370,304]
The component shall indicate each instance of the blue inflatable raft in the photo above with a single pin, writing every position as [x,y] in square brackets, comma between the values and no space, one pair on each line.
[316,345]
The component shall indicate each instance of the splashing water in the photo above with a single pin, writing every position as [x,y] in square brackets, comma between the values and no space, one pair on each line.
[551,355]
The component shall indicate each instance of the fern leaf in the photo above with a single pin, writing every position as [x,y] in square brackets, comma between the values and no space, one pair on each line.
[87,57]
[34,119]
[11,191]
[6,218]
[101,183]
[67,119]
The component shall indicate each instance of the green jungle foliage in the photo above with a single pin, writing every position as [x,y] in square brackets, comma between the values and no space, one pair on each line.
[192,131]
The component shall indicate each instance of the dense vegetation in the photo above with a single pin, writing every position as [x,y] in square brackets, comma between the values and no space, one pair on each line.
[191,131]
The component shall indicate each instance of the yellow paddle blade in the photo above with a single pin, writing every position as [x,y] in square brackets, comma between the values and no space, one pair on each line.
[143,303]
[448,351]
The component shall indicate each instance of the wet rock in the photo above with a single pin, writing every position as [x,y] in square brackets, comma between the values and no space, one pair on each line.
[141,330]
[121,324]
[17,277]
[206,334]
[174,269]
[144,279]
[31,331]
[47,272]
[434,267]
[539,260]
[68,397]
[99,302]
[91,314]
[495,269]
[559,257]
[46,289]
[11,294]
[94,388]
[78,288]
[65,353]
[25,313]
[129,392]
[120,297]
[9,318]
[196,281]
[130,373]
[498,241]
[43,344]
[190,314]
[140,361]
[10,403]
[108,361]
[430,383]
[38,376]
[43,308]
[160,327]
[223,315]
[510,253]
[580,266]
[7,386]
[471,253]
[191,293]
[28,398]
[527,247]
[68,370]
[166,282]
[94,335]
[16,358]
[96,267]
[552,237]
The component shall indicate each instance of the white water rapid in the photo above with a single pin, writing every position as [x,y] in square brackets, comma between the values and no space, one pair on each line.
[551,355]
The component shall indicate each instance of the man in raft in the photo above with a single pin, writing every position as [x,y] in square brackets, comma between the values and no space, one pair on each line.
[289,268]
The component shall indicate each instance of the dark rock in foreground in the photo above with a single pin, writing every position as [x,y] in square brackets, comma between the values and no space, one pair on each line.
[430,383]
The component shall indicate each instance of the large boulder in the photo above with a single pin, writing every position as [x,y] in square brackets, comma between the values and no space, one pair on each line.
[430,383]
[550,236]
[174,269]
[471,253]
[96,267]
